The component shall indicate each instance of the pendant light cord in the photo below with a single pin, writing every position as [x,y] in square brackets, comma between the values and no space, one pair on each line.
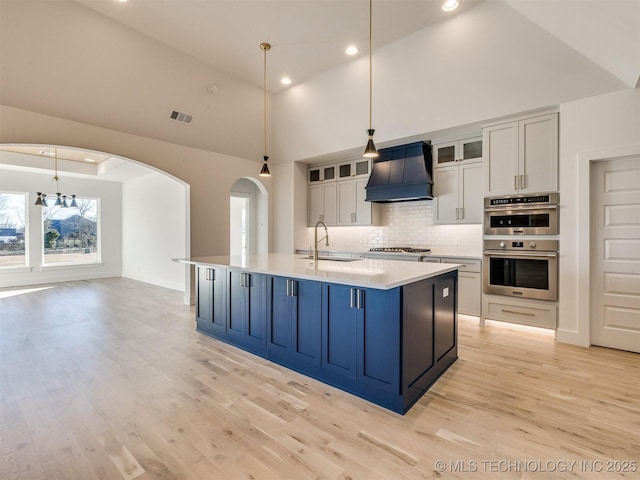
[370,65]
[264,49]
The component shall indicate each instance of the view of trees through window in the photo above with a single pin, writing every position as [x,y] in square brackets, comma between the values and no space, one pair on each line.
[12,229]
[71,234]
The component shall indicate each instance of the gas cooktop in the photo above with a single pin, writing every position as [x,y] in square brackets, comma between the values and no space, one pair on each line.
[400,249]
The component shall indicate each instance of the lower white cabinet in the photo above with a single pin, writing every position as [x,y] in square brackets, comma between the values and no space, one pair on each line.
[469,285]
[535,313]
[458,197]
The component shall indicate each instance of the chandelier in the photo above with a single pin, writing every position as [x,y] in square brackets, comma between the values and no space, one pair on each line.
[61,199]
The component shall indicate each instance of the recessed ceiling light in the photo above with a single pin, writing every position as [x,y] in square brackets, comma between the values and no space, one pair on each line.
[285,81]
[122,1]
[450,5]
[90,159]
[351,50]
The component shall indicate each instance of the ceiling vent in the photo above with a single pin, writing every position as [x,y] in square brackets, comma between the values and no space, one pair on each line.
[181,117]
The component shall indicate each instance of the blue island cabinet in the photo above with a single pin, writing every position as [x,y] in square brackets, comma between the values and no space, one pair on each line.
[211,310]
[293,323]
[360,339]
[246,311]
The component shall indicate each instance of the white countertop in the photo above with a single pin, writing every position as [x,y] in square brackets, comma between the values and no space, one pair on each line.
[366,273]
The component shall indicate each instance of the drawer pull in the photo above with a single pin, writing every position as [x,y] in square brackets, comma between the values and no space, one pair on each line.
[527,314]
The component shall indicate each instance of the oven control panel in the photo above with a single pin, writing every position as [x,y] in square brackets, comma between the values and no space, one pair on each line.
[525,245]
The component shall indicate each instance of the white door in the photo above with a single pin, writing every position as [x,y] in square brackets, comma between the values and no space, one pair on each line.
[615,254]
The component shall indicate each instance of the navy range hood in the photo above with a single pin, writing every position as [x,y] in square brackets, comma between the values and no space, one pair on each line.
[401,174]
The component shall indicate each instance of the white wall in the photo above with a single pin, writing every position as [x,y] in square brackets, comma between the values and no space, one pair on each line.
[110,208]
[591,129]
[437,78]
[153,230]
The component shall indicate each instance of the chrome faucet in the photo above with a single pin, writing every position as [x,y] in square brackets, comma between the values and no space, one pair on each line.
[316,241]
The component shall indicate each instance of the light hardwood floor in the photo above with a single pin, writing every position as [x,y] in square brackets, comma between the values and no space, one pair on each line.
[108,379]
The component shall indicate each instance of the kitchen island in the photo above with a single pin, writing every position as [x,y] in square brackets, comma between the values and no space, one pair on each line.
[380,329]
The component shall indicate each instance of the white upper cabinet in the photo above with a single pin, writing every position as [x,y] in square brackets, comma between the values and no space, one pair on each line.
[448,153]
[458,193]
[322,204]
[354,168]
[340,202]
[521,156]
[322,173]
[352,207]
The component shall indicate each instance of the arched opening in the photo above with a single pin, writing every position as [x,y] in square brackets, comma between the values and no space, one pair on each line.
[143,215]
[248,217]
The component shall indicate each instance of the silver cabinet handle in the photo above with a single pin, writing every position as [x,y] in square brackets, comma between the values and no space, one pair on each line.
[288,288]
[242,280]
[351,302]
[521,182]
[515,182]
[462,213]
[526,314]
[360,298]
[294,288]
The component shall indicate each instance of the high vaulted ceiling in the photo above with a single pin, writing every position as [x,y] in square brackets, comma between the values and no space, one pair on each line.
[125,65]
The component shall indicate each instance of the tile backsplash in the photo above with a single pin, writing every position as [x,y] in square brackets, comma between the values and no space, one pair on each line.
[403,224]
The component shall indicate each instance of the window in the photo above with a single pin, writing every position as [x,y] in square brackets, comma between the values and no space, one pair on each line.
[71,234]
[12,229]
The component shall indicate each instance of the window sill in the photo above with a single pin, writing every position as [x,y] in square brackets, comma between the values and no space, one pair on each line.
[16,269]
[74,266]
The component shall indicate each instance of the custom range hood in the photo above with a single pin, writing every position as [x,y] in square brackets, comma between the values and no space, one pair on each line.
[401,174]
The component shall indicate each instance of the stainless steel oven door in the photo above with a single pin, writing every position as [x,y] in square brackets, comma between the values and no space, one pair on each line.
[521,220]
[520,274]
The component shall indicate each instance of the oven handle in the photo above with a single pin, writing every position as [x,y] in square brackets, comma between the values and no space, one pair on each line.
[520,254]
[518,208]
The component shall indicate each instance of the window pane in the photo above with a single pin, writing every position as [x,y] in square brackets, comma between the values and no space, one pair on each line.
[71,234]
[12,229]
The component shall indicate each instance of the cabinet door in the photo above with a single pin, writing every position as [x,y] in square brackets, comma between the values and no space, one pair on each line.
[362,168]
[346,202]
[315,204]
[279,324]
[444,328]
[339,330]
[329,204]
[469,293]
[445,154]
[306,321]
[500,156]
[378,334]
[470,193]
[538,154]
[211,313]
[363,209]
[329,173]
[204,300]
[470,149]
[256,322]
[446,187]
[237,309]
[345,170]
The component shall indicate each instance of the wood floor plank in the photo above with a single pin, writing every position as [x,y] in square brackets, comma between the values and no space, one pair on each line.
[108,379]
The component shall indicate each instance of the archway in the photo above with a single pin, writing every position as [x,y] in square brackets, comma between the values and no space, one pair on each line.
[249,217]
[146,223]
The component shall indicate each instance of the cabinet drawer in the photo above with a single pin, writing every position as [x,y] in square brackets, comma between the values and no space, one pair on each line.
[466,264]
[536,314]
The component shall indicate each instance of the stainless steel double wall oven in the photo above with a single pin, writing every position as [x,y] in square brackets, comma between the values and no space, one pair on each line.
[517,262]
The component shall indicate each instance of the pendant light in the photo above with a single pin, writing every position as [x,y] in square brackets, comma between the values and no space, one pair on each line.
[61,200]
[265,47]
[370,150]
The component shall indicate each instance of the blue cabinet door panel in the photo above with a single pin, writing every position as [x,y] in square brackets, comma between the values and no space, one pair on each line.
[237,305]
[280,313]
[445,315]
[256,293]
[306,302]
[339,330]
[379,338]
